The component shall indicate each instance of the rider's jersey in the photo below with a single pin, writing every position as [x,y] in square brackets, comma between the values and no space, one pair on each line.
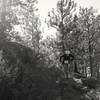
[66,58]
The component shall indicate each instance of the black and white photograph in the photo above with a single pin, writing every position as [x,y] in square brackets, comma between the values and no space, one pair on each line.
[49,49]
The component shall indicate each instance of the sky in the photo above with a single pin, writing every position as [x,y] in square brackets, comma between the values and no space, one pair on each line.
[88,3]
[45,6]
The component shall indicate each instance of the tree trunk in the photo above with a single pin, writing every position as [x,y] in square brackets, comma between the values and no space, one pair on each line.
[90,59]
[3,11]
[98,75]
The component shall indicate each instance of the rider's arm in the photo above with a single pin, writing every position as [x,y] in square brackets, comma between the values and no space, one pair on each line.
[71,57]
[61,58]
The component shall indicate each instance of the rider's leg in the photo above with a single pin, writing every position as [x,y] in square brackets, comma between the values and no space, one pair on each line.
[66,70]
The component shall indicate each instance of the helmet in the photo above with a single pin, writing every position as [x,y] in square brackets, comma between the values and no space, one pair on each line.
[67,52]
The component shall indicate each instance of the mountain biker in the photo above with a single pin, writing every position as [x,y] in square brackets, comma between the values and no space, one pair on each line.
[66,60]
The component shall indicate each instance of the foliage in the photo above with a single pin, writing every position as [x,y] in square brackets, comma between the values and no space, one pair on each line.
[88,38]
[30,23]
[7,19]
[23,15]
[61,19]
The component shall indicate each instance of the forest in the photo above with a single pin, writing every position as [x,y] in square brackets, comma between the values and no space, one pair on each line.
[30,67]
